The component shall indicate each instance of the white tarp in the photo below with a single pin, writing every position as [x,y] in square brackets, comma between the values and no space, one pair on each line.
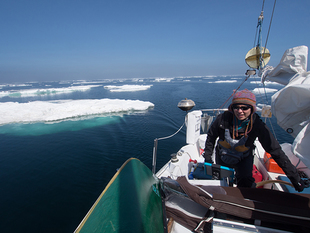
[291,105]
[301,145]
[294,61]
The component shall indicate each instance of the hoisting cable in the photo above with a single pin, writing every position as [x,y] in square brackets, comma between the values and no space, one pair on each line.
[259,23]
[274,6]
[254,44]
[263,5]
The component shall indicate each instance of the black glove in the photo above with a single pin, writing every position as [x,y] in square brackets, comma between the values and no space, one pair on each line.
[209,161]
[299,186]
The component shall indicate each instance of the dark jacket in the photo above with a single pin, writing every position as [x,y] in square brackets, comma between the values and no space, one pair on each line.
[260,131]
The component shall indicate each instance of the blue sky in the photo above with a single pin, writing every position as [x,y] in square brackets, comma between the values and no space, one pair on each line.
[69,40]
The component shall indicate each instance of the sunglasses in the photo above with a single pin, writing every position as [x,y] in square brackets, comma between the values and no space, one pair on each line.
[243,108]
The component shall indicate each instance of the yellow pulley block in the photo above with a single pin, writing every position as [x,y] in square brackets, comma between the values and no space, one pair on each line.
[255,55]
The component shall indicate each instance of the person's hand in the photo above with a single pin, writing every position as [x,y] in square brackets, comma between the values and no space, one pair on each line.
[299,186]
[209,161]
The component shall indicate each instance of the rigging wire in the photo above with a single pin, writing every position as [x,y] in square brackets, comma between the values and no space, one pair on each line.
[273,130]
[267,37]
[263,5]
[269,119]
[260,24]
[246,78]
[255,38]
[274,6]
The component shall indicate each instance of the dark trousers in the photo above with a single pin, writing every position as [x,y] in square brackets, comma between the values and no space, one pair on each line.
[243,170]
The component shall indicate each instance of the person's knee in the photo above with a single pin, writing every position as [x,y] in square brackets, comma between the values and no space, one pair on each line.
[246,182]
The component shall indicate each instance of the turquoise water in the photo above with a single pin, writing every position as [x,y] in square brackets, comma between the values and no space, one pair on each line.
[52,173]
[37,129]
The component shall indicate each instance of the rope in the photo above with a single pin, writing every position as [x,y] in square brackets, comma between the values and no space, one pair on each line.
[272,181]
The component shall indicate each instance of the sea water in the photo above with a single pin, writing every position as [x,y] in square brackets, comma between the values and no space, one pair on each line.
[61,142]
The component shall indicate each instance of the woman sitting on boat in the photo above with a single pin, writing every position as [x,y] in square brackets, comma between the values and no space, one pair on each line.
[237,130]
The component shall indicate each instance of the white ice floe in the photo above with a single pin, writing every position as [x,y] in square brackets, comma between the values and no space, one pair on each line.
[137,80]
[20,85]
[224,81]
[15,85]
[163,79]
[58,110]
[127,88]
[264,90]
[85,82]
[45,91]
[265,83]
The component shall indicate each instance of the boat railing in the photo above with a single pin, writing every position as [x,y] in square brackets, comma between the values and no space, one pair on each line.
[155,147]
[215,110]
[206,121]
